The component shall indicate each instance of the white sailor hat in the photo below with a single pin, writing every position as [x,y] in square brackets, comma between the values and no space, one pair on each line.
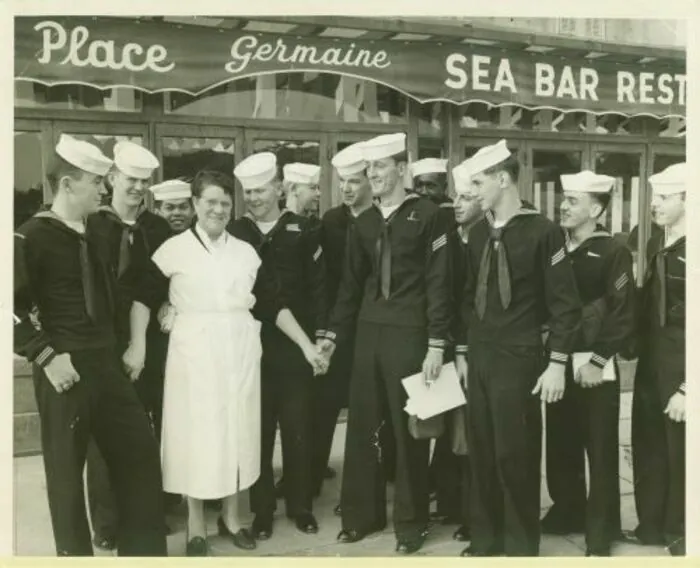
[256,170]
[83,155]
[488,156]
[671,180]
[171,189]
[301,173]
[461,176]
[428,166]
[133,160]
[384,146]
[350,160]
[587,182]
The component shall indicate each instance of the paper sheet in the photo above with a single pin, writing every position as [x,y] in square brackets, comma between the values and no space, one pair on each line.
[444,394]
[580,359]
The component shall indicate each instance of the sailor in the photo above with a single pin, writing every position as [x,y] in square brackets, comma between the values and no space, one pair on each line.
[658,407]
[586,420]
[332,393]
[518,278]
[396,286]
[126,234]
[173,202]
[289,246]
[81,390]
[302,182]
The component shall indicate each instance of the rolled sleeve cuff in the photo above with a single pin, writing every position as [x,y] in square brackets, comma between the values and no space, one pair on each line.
[461,349]
[331,336]
[434,343]
[599,360]
[45,356]
[558,357]
[322,334]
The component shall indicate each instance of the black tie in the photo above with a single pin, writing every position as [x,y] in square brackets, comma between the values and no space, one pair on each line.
[661,283]
[88,279]
[494,242]
[384,246]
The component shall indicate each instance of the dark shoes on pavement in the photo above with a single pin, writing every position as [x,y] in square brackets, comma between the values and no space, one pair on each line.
[197,546]
[348,536]
[242,539]
[262,527]
[104,543]
[461,534]
[306,523]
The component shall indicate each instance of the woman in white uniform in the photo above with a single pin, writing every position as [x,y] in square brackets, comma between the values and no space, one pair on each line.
[211,407]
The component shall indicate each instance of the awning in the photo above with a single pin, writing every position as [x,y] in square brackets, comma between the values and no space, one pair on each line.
[156,56]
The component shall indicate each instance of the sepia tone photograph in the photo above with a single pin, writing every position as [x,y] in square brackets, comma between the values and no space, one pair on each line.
[349,286]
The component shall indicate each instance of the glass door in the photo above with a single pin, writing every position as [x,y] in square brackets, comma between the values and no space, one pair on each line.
[545,163]
[627,205]
[105,136]
[289,147]
[185,150]
[32,140]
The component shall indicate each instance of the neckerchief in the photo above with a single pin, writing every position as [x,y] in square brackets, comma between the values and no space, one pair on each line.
[495,242]
[127,238]
[659,283]
[383,248]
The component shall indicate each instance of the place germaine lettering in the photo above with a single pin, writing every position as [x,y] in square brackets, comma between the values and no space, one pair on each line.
[99,53]
[570,82]
[247,49]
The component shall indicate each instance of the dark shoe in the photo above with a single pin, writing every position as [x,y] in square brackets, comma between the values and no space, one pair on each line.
[242,539]
[636,537]
[406,545]
[262,527]
[306,523]
[279,488]
[104,543]
[329,473]
[471,551]
[197,546]
[337,511]
[462,534]
[348,536]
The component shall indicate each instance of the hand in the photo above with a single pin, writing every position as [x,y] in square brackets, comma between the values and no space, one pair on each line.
[589,376]
[134,358]
[432,364]
[676,407]
[462,370]
[326,347]
[317,361]
[551,384]
[61,373]
[166,317]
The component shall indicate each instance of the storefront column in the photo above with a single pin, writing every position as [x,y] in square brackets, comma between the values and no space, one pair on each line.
[453,146]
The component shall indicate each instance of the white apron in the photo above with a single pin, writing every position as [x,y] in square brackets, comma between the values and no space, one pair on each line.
[211,405]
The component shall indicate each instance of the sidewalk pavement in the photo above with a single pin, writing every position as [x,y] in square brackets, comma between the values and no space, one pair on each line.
[33,535]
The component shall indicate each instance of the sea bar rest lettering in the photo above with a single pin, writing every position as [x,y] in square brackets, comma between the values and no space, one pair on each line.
[247,49]
[100,54]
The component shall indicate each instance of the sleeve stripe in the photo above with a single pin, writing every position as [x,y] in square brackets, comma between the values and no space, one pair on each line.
[621,281]
[439,242]
[17,320]
[20,235]
[44,355]
[461,349]
[318,253]
[559,357]
[558,256]
[599,360]
[330,335]
[439,343]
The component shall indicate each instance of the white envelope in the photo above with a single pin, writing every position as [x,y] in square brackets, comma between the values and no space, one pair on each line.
[580,359]
[445,393]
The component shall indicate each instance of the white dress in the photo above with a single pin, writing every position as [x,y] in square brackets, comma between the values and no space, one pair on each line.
[211,406]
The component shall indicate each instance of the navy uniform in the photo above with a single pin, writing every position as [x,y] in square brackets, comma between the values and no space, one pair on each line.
[658,443]
[292,251]
[127,248]
[395,284]
[585,421]
[58,271]
[518,278]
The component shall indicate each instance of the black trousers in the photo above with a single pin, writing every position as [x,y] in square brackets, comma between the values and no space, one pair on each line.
[449,474]
[658,456]
[104,406]
[330,396]
[101,496]
[504,436]
[383,356]
[585,422]
[287,398]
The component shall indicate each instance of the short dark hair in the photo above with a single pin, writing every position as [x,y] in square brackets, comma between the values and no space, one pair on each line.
[510,165]
[211,177]
[60,168]
[603,200]
[401,157]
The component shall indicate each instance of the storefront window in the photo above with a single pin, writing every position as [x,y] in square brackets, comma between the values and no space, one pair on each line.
[77,97]
[295,96]
[29,176]
[184,157]
[430,117]
[479,115]
[547,166]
